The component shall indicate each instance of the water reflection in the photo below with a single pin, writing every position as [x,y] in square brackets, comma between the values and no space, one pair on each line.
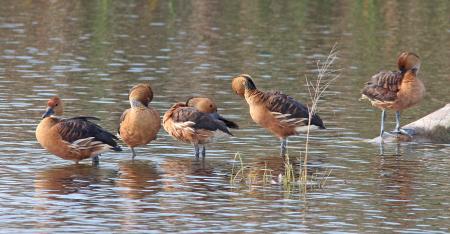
[391,146]
[73,178]
[188,174]
[138,179]
[397,187]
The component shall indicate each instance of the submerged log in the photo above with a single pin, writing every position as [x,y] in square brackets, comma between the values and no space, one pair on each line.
[434,127]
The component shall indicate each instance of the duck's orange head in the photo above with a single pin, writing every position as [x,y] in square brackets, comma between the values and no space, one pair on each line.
[54,107]
[408,61]
[142,93]
[202,104]
[241,83]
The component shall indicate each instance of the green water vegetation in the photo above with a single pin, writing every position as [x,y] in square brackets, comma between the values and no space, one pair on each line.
[294,175]
[291,175]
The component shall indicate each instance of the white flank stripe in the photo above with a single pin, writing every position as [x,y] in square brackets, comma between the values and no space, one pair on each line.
[305,128]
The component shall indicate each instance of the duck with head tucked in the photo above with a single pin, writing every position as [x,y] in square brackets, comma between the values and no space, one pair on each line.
[139,124]
[74,138]
[396,90]
[186,123]
[206,105]
[279,113]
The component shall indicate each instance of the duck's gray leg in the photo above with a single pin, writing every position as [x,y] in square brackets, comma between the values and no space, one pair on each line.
[283,147]
[398,130]
[134,153]
[196,150]
[383,117]
[95,160]
[203,151]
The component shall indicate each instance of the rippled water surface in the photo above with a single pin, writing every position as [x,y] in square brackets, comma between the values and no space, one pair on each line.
[91,52]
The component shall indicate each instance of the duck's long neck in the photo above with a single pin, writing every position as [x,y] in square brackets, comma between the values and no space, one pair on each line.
[409,76]
[136,103]
[253,95]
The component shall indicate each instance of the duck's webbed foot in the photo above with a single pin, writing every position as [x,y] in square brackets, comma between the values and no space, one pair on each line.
[404,131]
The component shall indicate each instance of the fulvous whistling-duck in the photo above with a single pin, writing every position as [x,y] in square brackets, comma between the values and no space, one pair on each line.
[140,123]
[277,112]
[396,90]
[207,105]
[74,138]
[190,125]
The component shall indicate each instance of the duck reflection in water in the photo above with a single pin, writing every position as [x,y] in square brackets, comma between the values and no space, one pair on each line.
[187,174]
[139,178]
[397,187]
[71,178]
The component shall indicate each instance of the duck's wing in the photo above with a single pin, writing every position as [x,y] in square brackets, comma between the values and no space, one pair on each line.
[289,111]
[383,86]
[191,117]
[78,128]
[122,118]
[86,118]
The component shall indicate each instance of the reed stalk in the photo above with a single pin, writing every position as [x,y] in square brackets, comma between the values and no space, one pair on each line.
[316,88]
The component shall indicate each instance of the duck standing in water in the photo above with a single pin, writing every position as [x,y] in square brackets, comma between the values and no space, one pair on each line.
[396,90]
[139,124]
[277,112]
[72,138]
[189,125]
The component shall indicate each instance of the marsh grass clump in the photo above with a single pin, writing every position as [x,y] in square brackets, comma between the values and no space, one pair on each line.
[289,175]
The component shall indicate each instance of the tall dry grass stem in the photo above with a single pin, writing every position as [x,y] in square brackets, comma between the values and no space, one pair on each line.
[316,88]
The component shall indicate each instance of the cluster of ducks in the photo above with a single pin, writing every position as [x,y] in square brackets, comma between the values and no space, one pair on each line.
[197,122]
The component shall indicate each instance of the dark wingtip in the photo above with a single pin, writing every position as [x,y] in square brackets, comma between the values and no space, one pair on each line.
[228,123]
[117,148]
[225,130]
[316,120]
[232,125]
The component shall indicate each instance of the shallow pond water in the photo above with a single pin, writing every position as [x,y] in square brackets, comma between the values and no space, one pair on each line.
[91,52]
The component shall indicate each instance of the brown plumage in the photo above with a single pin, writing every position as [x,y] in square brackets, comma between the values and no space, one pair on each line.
[277,112]
[74,138]
[190,125]
[396,90]
[207,105]
[139,124]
